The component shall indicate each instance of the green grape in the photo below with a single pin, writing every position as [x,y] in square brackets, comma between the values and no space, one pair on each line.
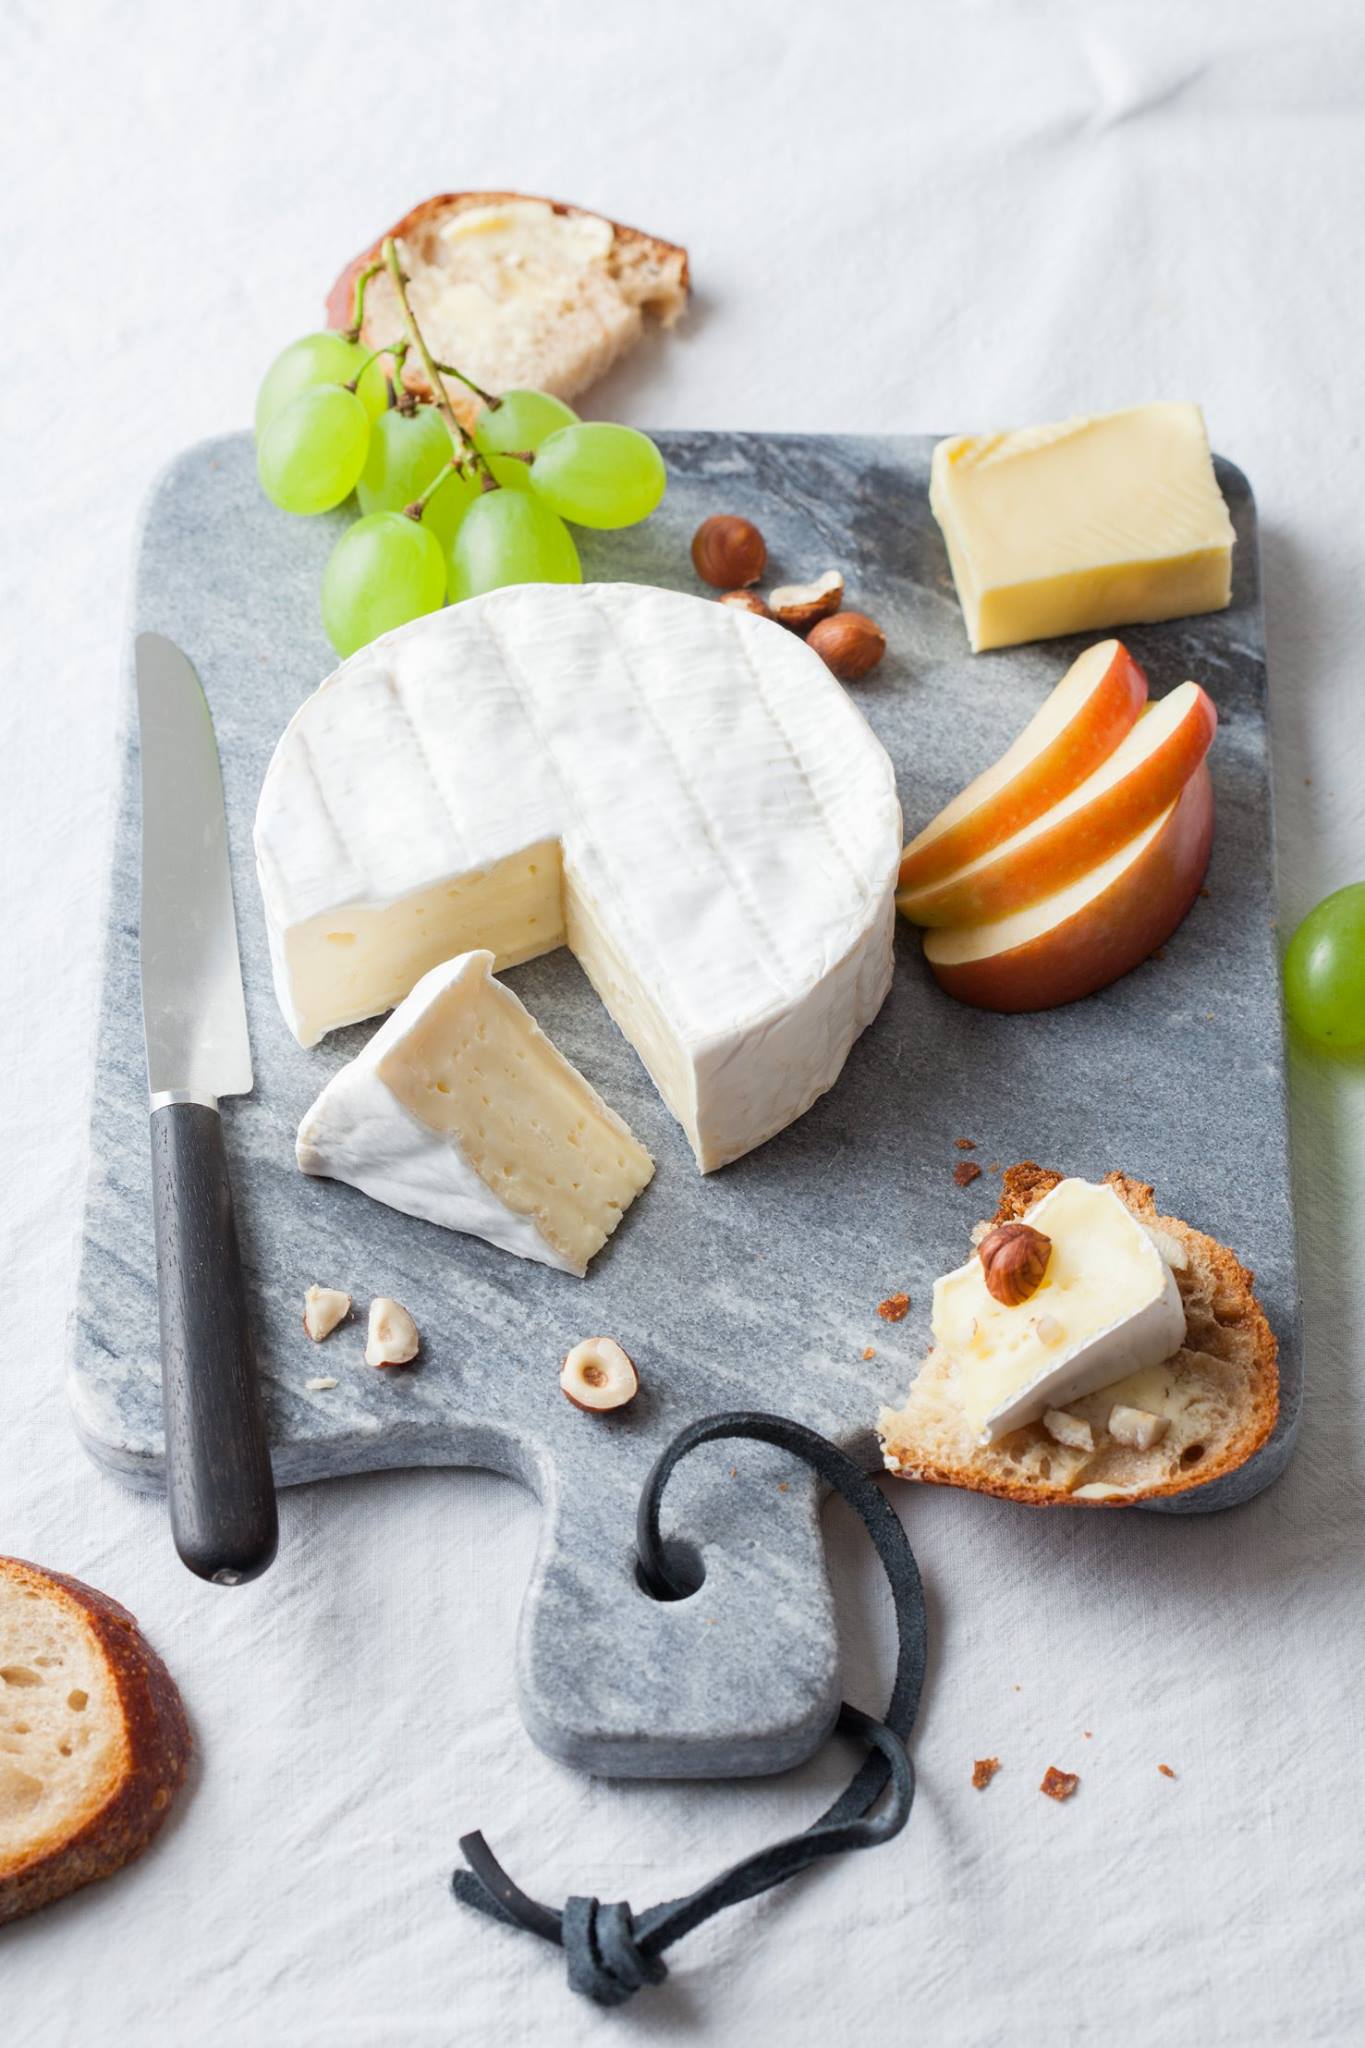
[385,570]
[324,358]
[510,537]
[406,451]
[310,456]
[1324,972]
[521,419]
[599,475]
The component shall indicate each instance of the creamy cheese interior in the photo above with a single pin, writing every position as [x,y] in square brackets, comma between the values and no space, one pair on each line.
[352,962]
[1108,1308]
[1085,523]
[475,1068]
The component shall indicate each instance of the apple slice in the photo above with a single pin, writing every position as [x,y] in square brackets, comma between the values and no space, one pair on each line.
[1078,726]
[1089,934]
[1142,778]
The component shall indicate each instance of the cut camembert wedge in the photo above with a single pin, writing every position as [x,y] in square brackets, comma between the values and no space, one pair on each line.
[679,792]
[517,291]
[460,1111]
[1163,1373]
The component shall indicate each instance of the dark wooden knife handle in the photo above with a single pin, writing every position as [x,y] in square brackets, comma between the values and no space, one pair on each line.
[218,1477]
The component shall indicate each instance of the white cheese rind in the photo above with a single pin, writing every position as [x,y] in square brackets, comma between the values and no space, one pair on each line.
[403,1126]
[680,790]
[1108,1307]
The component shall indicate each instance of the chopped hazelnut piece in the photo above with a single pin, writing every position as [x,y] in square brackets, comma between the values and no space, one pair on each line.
[965,1144]
[965,1172]
[393,1338]
[323,1309]
[1057,1784]
[1166,1770]
[1136,1428]
[983,1770]
[1071,1430]
[894,1309]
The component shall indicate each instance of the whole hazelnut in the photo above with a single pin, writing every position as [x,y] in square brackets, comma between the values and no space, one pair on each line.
[850,644]
[1014,1260]
[728,551]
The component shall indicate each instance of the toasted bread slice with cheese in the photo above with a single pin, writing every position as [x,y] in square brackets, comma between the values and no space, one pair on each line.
[93,1737]
[517,292]
[1218,1396]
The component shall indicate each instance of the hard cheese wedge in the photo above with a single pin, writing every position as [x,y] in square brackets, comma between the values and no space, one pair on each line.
[1108,1307]
[461,1111]
[1086,523]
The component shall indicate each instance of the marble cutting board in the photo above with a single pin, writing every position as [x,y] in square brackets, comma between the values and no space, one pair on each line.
[758,1286]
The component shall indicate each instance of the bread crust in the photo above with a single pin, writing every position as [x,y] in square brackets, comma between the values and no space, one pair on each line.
[1235,1306]
[156,1751]
[341,298]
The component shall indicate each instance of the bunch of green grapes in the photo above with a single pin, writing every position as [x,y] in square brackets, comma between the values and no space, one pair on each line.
[441,518]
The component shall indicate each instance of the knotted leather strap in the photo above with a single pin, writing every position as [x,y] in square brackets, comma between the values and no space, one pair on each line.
[610,1950]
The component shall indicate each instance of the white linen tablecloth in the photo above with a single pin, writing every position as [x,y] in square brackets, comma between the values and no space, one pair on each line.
[901,216]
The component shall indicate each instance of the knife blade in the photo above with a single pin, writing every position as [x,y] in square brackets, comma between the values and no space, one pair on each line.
[218,1477]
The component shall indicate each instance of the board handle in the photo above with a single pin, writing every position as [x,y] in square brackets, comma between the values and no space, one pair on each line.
[218,1477]
[739,1678]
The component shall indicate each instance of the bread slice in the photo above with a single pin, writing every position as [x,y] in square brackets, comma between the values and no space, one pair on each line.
[517,291]
[1219,1393]
[93,1738]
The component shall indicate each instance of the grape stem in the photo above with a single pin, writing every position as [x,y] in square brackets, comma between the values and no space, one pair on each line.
[443,475]
[358,308]
[396,349]
[464,440]
[490,398]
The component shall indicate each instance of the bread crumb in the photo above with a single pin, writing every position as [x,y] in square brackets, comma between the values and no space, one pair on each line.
[869,1351]
[1166,1770]
[319,1386]
[782,1486]
[965,1144]
[965,1172]
[894,1309]
[1057,1784]
[983,1770]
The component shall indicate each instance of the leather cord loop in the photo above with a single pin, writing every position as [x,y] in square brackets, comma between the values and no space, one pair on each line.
[611,1951]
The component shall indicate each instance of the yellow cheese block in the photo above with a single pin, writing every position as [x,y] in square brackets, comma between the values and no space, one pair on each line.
[1088,523]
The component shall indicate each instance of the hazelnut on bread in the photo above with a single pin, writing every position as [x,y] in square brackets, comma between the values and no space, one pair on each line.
[1218,1395]
[517,292]
[94,1742]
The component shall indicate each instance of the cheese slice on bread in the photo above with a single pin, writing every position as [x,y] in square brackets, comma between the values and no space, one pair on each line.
[1161,1430]
[93,1737]
[517,292]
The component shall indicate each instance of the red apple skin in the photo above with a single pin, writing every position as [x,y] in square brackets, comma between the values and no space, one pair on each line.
[1108,937]
[1064,852]
[1078,750]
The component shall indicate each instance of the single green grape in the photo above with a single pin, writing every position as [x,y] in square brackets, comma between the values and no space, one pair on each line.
[406,451]
[599,475]
[385,570]
[521,419]
[510,537]
[324,358]
[310,456]
[1324,972]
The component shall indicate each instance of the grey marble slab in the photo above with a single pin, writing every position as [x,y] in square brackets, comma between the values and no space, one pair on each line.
[758,1286]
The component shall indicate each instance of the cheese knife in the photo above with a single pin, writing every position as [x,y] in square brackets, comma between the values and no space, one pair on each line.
[218,1478]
